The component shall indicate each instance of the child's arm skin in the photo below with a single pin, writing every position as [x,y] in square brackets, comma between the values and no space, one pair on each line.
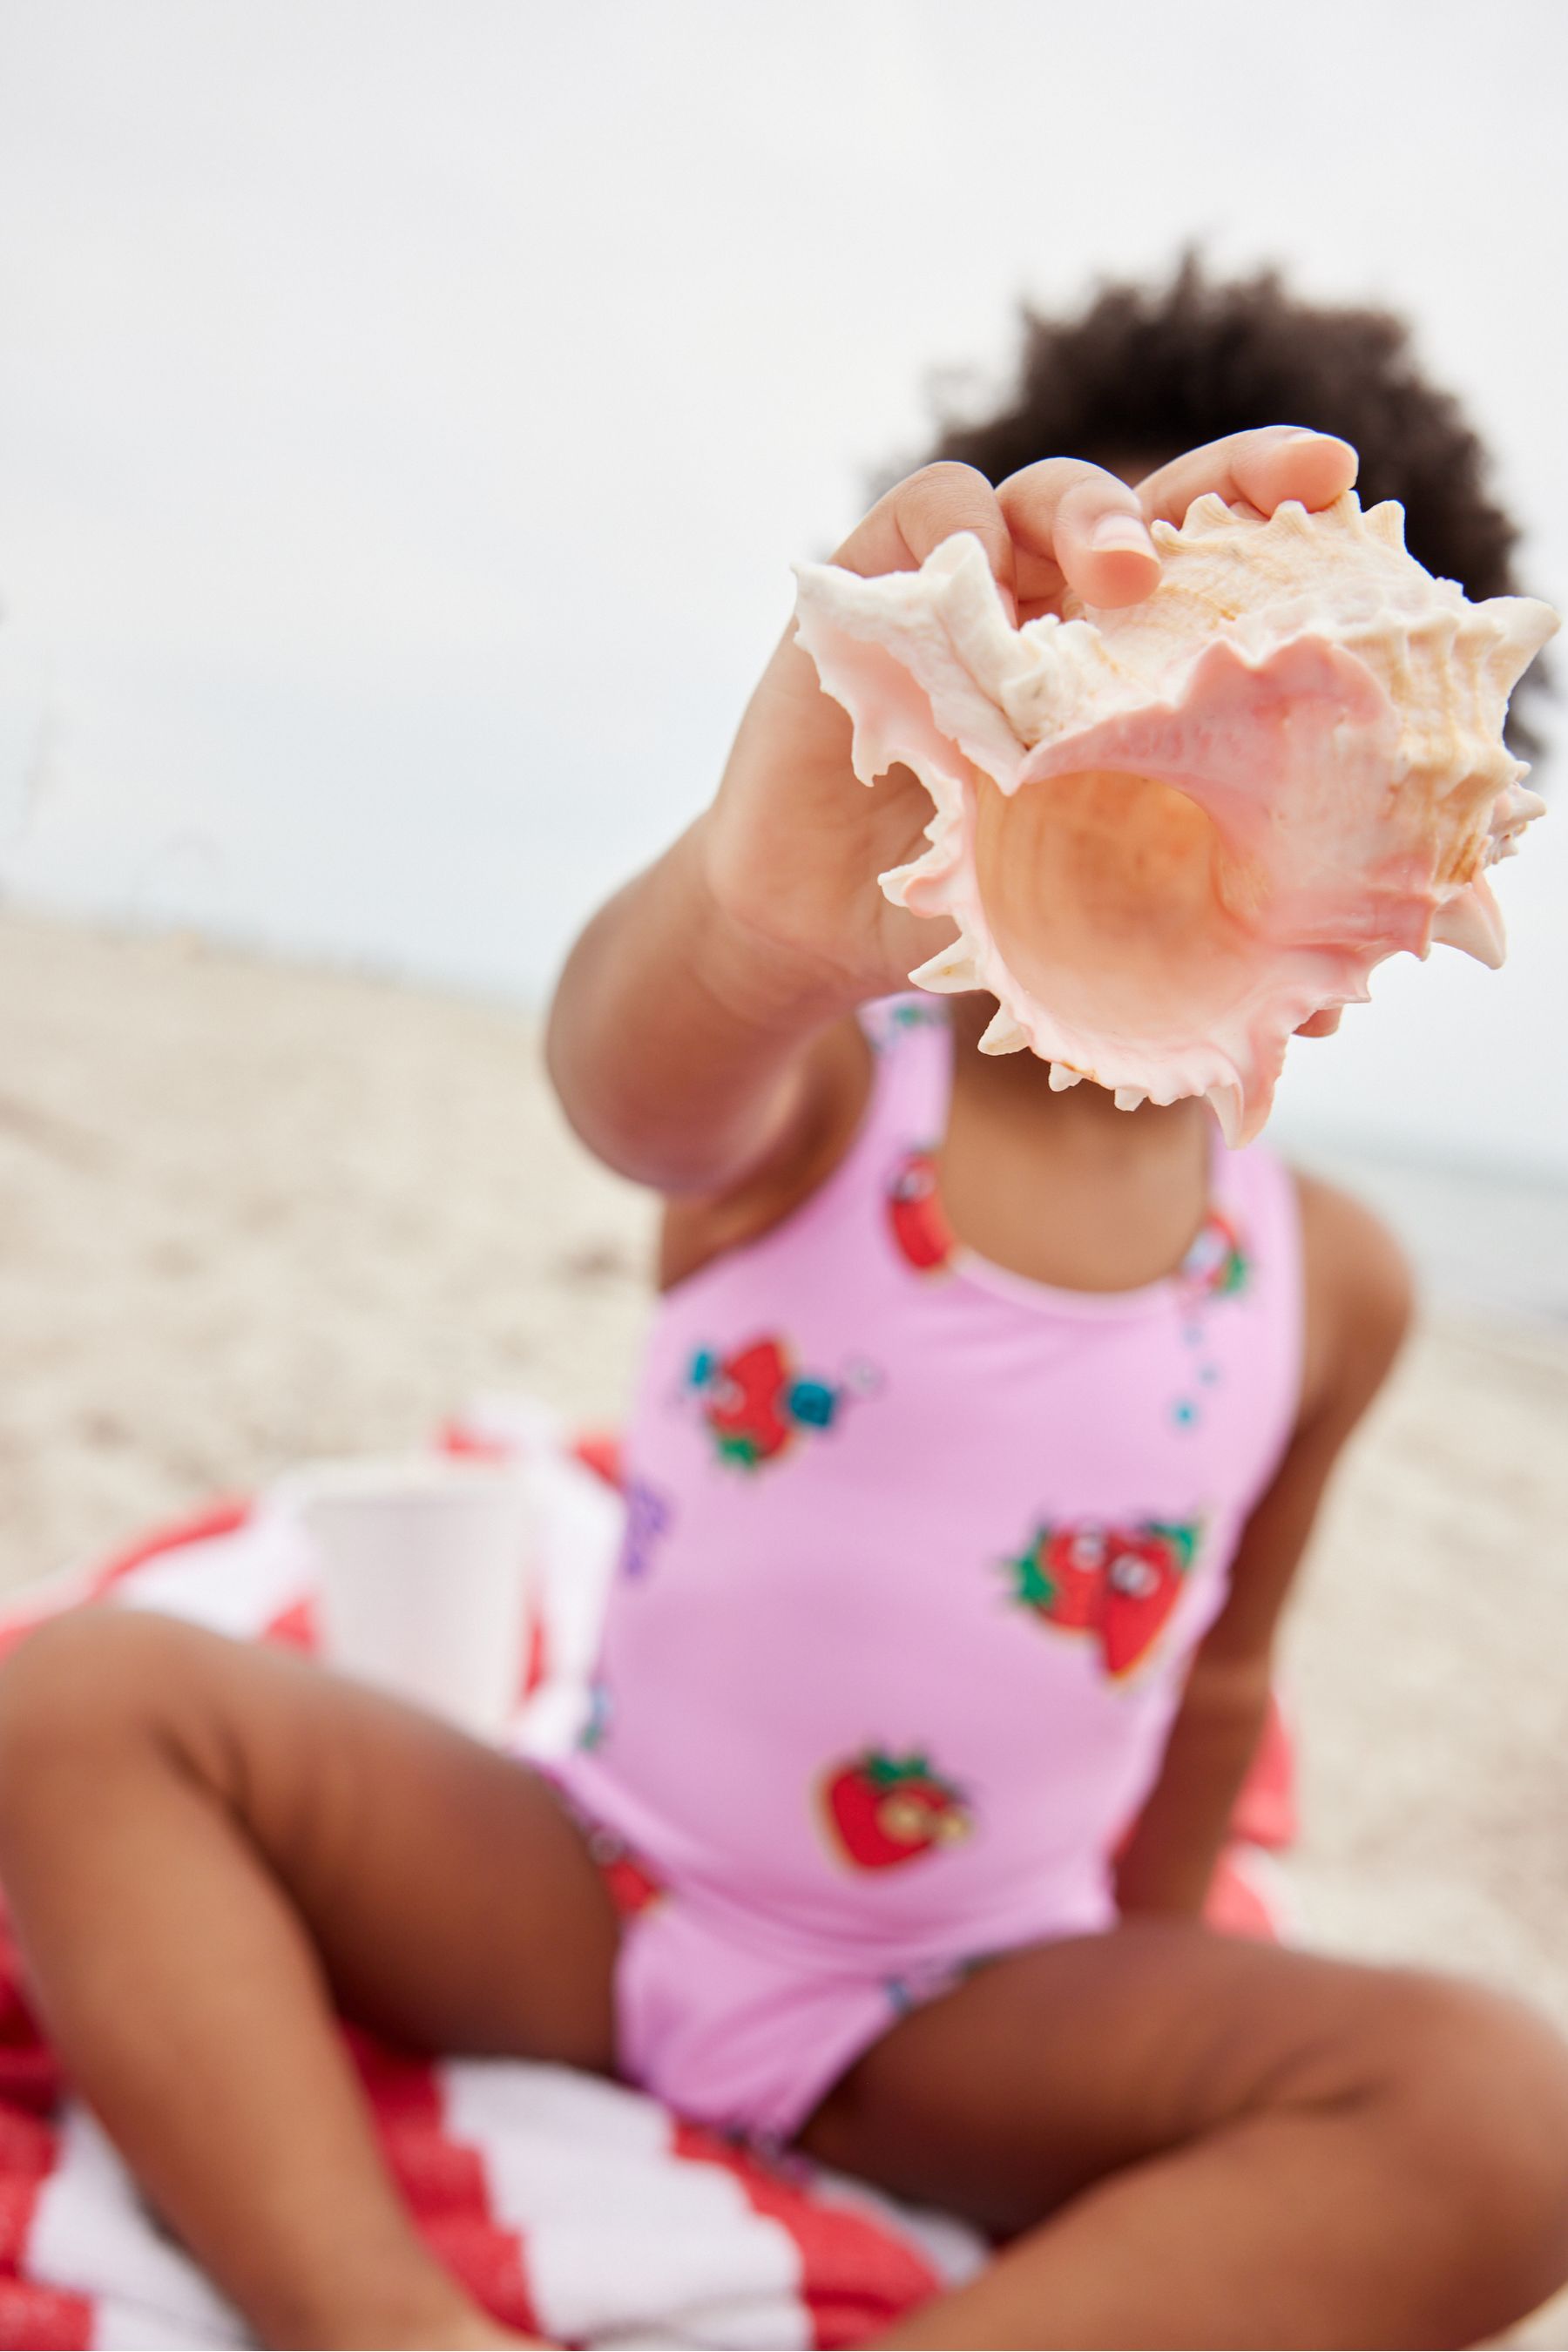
[680,1036]
[1358,1307]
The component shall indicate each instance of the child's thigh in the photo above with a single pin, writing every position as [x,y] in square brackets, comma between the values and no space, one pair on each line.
[1053,2067]
[453,1903]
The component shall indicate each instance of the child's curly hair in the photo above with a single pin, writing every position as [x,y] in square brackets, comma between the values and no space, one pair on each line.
[1152,372]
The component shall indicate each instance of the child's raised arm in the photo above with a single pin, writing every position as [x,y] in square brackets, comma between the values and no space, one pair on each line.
[678,1039]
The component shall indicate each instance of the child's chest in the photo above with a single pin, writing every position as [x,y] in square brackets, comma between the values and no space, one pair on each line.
[885,1406]
[926,1537]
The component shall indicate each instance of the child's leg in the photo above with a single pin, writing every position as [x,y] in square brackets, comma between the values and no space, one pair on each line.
[206,1845]
[1234,2145]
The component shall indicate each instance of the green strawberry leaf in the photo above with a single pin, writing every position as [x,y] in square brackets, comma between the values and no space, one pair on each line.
[884,1771]
[1182,1540]
[1035,1584]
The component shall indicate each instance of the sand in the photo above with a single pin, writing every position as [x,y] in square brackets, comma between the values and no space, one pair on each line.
[250,1212]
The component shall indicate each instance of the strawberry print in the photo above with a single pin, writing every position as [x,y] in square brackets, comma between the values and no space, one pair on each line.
[1142,1584]
[915,1214]
[1060,1576]
[630,1883]
[1217,1265]
[1116,1585]
[754,1405]
[886,1810]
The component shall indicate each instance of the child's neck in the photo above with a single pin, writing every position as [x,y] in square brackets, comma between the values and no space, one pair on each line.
[1065,1188]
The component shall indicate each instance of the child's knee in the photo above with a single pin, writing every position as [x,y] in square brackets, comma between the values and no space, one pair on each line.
[1473,2089]
[84,1683]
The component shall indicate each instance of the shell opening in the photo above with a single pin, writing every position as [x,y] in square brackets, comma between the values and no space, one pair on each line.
[1169,834]
[1118,903]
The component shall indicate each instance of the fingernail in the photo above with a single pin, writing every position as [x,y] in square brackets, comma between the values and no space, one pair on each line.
[1327,440]
[1116,534]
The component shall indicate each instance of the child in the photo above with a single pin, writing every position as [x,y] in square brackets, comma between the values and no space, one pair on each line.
[982,1433]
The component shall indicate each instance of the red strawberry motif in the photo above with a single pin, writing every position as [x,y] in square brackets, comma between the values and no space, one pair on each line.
[915,1213]
[886,1810]
[1142,1584]
[1118,1584]
[1061,1576]
[629,1882]
[745,1401]
[1074,1565]
[754,1402]
[1217,1265]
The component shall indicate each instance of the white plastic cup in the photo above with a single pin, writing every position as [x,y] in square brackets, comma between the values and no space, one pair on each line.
[425,1570]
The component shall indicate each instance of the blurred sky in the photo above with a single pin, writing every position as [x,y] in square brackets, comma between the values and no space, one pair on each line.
[408,415]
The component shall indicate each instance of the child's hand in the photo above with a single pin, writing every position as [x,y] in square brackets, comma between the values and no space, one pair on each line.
[681,1033]
[793,845]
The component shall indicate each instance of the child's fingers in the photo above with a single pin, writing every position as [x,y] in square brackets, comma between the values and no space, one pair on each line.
[919,513]
[1261,468]
[1065,519]
[1074,520]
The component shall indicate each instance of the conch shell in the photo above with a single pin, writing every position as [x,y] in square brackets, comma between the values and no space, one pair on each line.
[1170,834]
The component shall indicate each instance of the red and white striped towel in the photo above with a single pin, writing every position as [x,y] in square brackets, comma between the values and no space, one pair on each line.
[571,2207]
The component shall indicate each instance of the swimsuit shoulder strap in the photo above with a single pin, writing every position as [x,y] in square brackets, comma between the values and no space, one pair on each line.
[912,1038]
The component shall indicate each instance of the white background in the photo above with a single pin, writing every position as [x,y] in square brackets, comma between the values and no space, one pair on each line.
[408,414]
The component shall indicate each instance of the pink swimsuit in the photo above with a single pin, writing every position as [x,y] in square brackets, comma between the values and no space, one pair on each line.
[918,1551]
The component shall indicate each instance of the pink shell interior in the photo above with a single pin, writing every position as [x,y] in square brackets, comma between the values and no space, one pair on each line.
[1160,898]
[1150,898]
